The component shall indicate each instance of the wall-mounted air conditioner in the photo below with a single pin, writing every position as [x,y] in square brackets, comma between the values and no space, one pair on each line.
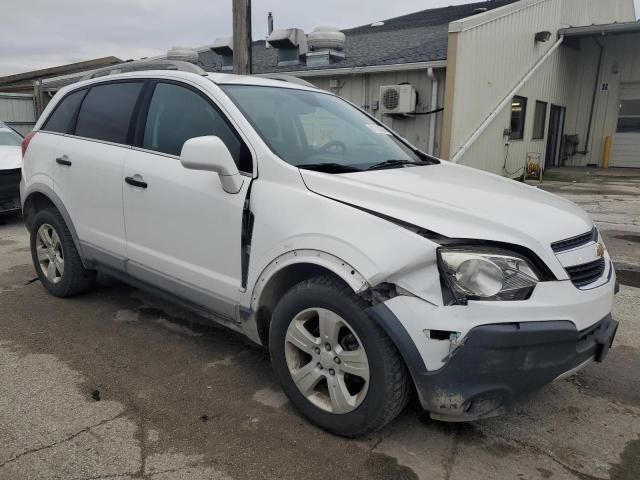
[397,99]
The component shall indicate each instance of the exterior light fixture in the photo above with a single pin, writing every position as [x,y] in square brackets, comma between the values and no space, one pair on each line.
[543,36]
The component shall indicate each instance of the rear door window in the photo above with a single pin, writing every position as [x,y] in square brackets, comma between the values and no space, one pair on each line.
[177,114]
[106,111]
[60,120]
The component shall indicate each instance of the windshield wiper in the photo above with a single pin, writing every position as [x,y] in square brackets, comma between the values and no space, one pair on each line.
[393,163]
[329,167]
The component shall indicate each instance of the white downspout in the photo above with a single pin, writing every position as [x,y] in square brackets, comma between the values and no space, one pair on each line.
[432,106]
[463,149]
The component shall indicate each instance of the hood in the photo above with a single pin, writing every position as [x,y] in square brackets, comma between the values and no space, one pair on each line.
[10,157]
[458,202]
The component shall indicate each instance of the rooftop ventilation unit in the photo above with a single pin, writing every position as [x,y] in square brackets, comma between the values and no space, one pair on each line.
[223,46]
[326,45]
[291,44]
[397,99]
[183,54]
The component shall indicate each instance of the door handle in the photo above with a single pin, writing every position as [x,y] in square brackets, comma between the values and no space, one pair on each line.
[63,161]
[136,183]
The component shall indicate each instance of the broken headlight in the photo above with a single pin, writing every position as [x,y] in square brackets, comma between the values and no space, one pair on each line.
[469,274]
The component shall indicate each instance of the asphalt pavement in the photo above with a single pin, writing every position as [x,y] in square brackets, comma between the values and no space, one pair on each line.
[118,384]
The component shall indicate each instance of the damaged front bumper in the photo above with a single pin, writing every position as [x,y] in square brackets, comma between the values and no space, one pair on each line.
[10,191]
[496,365]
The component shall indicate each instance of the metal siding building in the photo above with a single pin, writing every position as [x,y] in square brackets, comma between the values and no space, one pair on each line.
[617,81]
[491,53]
[472,66]
[18,111]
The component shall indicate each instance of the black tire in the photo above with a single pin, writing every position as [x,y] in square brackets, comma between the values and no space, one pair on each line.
[75,279]
[389,382]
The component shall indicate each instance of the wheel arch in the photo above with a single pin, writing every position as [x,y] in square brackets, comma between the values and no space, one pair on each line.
[290,269]
[39,197]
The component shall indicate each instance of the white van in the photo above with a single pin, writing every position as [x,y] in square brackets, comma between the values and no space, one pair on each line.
[369,269]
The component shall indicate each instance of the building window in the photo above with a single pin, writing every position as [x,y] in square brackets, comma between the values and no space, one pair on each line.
[539,121]
[629,117]
[518,115]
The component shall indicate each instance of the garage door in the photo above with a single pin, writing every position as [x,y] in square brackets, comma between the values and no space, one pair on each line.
[626,142]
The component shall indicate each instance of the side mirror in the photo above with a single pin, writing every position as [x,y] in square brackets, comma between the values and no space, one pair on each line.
[211,154]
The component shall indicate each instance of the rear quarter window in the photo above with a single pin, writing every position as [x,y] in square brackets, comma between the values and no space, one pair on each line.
[106,111]
[60,119]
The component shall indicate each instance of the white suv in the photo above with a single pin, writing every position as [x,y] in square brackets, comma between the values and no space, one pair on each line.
[367,268]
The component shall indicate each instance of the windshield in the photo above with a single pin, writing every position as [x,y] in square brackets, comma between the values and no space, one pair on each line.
[320,131]
[9,138]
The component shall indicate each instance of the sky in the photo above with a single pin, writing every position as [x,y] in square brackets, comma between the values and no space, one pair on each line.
[39,33]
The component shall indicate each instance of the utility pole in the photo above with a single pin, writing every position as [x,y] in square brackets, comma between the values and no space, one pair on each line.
[242,37]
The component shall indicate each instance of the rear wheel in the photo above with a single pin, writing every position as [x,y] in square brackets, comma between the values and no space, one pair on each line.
[55,257]
[335,363]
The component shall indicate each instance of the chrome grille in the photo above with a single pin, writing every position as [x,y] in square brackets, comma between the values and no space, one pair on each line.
[586,273]
[574,242]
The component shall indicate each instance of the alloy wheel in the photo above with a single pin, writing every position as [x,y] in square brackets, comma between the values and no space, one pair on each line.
[50,254]
[327,360]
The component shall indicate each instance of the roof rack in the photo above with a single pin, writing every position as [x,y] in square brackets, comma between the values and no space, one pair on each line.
[288,78]
[176,65]
[142,65]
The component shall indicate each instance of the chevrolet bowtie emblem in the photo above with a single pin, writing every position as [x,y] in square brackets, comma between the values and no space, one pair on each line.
[600,249]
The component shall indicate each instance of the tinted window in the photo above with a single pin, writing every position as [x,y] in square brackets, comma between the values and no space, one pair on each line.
[60,120]
[106,111]
[177,114]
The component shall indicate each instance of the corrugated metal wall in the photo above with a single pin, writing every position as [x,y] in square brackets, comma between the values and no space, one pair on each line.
[18,111]
[553,83]
[620,65]
[363,89]
[596,12]
[494,52]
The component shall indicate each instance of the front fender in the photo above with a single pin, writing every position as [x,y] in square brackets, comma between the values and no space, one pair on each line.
[315,257]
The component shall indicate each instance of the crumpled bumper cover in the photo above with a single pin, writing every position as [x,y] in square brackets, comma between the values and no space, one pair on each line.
[497,365]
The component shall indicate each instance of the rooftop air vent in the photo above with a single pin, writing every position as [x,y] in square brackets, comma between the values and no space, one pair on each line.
[184,54]
[326,45]
[377,24]
[291,44]
[223,46]
[480,10]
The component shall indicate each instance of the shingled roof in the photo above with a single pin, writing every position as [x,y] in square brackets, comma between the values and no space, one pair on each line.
[416,37]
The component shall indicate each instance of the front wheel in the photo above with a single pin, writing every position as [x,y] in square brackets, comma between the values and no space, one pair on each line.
[335,363]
